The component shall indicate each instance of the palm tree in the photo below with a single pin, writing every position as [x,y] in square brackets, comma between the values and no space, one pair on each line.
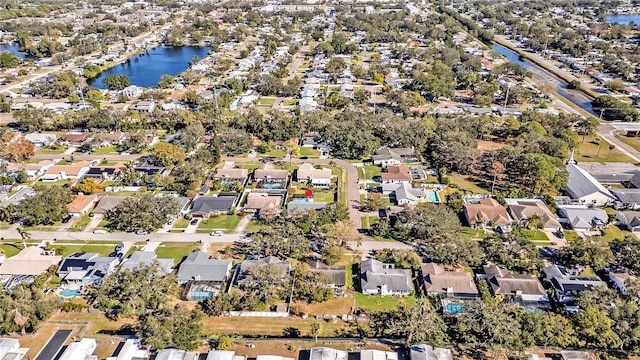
[611,147]
[25,235]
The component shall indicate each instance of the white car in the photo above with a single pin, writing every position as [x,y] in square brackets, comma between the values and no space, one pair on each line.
[216,233]
[100,231]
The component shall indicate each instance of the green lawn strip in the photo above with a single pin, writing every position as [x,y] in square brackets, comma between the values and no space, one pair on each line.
[365,222]
[460,182]
[181,223]
[107,150]
[10,250]
[263,100]
[380,303]
[254,225]
[57,150]
[323,197]
[102,249]
[309,152]
[592,150]
[220,222]
[371,171]
[274,153]
[473,234]
[81,223]
[175,251]
[531,234]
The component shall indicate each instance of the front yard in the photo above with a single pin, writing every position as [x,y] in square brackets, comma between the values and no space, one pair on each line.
[220,222]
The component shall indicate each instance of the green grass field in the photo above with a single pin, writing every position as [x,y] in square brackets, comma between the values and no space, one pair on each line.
[10,250]
[323,197]
[263,100]
[220,222]
[102,249]
[55,150]
[457,180]
[380,303]
[81,223]
[598,151]
[371,171]
[309,152]
[176,251]
[181,223]
[107,150]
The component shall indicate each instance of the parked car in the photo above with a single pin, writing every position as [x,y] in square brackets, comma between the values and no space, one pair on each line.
[142,232]
[99,231]
[66,219]
[216,233]
[119,247]
[194,222]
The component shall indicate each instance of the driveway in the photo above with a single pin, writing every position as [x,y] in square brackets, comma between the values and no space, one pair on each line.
[93,224]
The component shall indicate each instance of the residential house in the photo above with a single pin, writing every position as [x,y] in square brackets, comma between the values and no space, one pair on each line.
[523,209]
[131,350]
[243,271]
[396,174]
[205,277]
[336,274]
[487,211]
[80,350]
[10,349]
[144,106]
[520,288]
[262,203]
[64,172]
[86,269]
[428,352]
[146,258]
[268,177]
[103,172]
[627,198]
[585,189]
[395,156]
[151,169]
[39,139]
[629,220]
[620,279]
[302,206]
[377,278]
[450,284]
[377,355]
[76,138]
[82,204]
[132,91]
[228,174]
[203,207]
[308,174]
[566,286]
[107,203]
[583,218]
[404,193]
[26,265]
[176,354]
[223,355]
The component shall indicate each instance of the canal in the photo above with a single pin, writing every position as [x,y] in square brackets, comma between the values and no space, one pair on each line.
[12,48]
[624,19]
[558,85]
[146,68]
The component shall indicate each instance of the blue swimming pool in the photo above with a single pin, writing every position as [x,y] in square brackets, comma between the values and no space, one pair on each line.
[272,186]
[433,196]
[454,308]
[69,293]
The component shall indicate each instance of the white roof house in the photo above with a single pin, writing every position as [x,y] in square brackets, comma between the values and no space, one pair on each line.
[585,188]
[80,350]
[582,218]
[131,350]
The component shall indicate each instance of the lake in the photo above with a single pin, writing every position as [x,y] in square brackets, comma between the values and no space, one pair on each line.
[12,48]
[624,19]
[145,69]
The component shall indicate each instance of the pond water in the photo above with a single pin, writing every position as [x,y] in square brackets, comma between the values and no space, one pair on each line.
[146,68]
[624,19]
[12,48]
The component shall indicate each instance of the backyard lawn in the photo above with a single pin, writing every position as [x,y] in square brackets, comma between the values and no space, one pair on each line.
[371,171]
[102,249]
[309,152]
[380,303]
[591,150]
[175,251]
[263,100]
[220,222]
[613,232]
[323,197]
[106,150]
[463,183]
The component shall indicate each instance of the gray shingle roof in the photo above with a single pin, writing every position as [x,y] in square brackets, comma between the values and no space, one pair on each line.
[200,267]
[374,274]
[582,184]
[205,205]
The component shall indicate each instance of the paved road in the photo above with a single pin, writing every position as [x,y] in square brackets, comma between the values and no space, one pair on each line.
[54,345]
[80,156]
[121,236]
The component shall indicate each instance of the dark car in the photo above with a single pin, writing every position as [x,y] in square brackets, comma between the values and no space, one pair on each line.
[67,219]
[194,222]
[119,247]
